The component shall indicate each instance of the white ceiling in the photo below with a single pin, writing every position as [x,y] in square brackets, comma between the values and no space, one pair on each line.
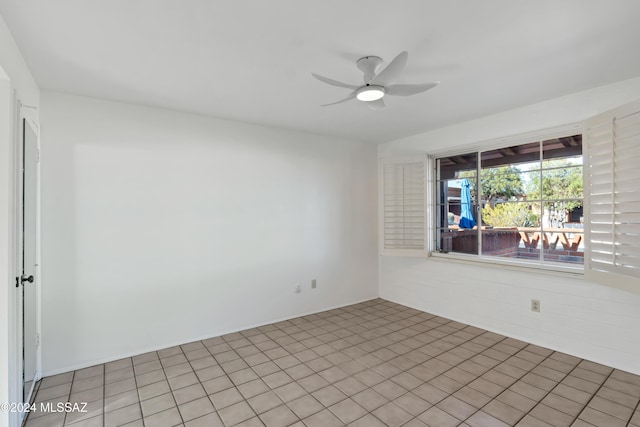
[251,60]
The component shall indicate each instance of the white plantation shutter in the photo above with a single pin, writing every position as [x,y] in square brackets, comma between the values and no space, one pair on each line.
[403,205]
[612,202]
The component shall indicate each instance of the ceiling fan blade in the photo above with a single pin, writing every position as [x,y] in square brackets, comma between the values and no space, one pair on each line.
[392,70]
[351,96]
[406,90]
[375,105]
[334,82]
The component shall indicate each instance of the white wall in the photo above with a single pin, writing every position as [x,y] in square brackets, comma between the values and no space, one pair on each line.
[578,317]
[162,227]
[14,76]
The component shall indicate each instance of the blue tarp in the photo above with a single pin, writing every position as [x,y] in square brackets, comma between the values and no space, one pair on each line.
[466,214]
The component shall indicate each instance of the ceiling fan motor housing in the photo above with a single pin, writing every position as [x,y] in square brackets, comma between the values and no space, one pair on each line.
[369,66]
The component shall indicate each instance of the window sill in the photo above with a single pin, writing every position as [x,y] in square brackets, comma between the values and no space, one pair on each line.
[520,265]
[415,253]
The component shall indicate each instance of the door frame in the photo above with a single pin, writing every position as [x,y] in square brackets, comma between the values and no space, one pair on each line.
[26,113]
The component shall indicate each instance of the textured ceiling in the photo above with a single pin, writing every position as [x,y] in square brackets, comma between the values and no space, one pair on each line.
[251,60]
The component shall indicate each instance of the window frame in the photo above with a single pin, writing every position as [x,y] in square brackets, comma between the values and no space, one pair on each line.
[487,145]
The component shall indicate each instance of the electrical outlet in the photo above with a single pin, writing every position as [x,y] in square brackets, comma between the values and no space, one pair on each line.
[313,284]
[535,305]
[298,288]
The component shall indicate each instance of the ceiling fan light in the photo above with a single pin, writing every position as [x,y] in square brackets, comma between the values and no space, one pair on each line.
[370,93]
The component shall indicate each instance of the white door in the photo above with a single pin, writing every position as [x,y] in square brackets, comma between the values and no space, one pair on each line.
[28,280]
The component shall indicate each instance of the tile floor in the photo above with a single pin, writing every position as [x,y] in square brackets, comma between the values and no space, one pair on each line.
[371,364]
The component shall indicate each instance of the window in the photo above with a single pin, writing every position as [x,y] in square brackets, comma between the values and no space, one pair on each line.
[517,202]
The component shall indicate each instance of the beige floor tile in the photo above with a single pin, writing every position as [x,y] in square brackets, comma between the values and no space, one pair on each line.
[456,407]
[389,389]
[87,395]
[266,368]
[503,412]
[562,404]
[277,379]
[436,417]
[371,421]
[623,386]
[280,416]
[146,357]
[524,404]
[61,390]
[187,394]
[369,377]
[88,372]
[611,408]
[153,390]
[120,400]
[118,375]
[551,416]
[177,370]
[417,423]
[56,380]
[195,408]
[242,376]
[209,420]
[253,388]
[323,418]
[482,419]
[371,400]
[90,410]
[472,397]
[598,418]
[305,406]
[145,367]
[96,421]
[264,402]
[313,382]
[170,417]
[348,410]
[350,386]
[290,391]
[184,380]
[205,362]
[256,422]
[122,415]
[225,398]
[176,359]
[209,373]
[217,384]
[392,415]
[157,404]
[150,378]
[237,413]
[535,393]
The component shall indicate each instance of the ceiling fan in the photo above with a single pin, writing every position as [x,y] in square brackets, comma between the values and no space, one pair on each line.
[377,84]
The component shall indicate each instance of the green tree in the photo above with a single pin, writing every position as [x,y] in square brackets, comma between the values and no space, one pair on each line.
[560,187]
[503,182]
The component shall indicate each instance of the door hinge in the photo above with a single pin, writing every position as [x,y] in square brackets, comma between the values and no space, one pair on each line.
[37,340]
[38,155]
